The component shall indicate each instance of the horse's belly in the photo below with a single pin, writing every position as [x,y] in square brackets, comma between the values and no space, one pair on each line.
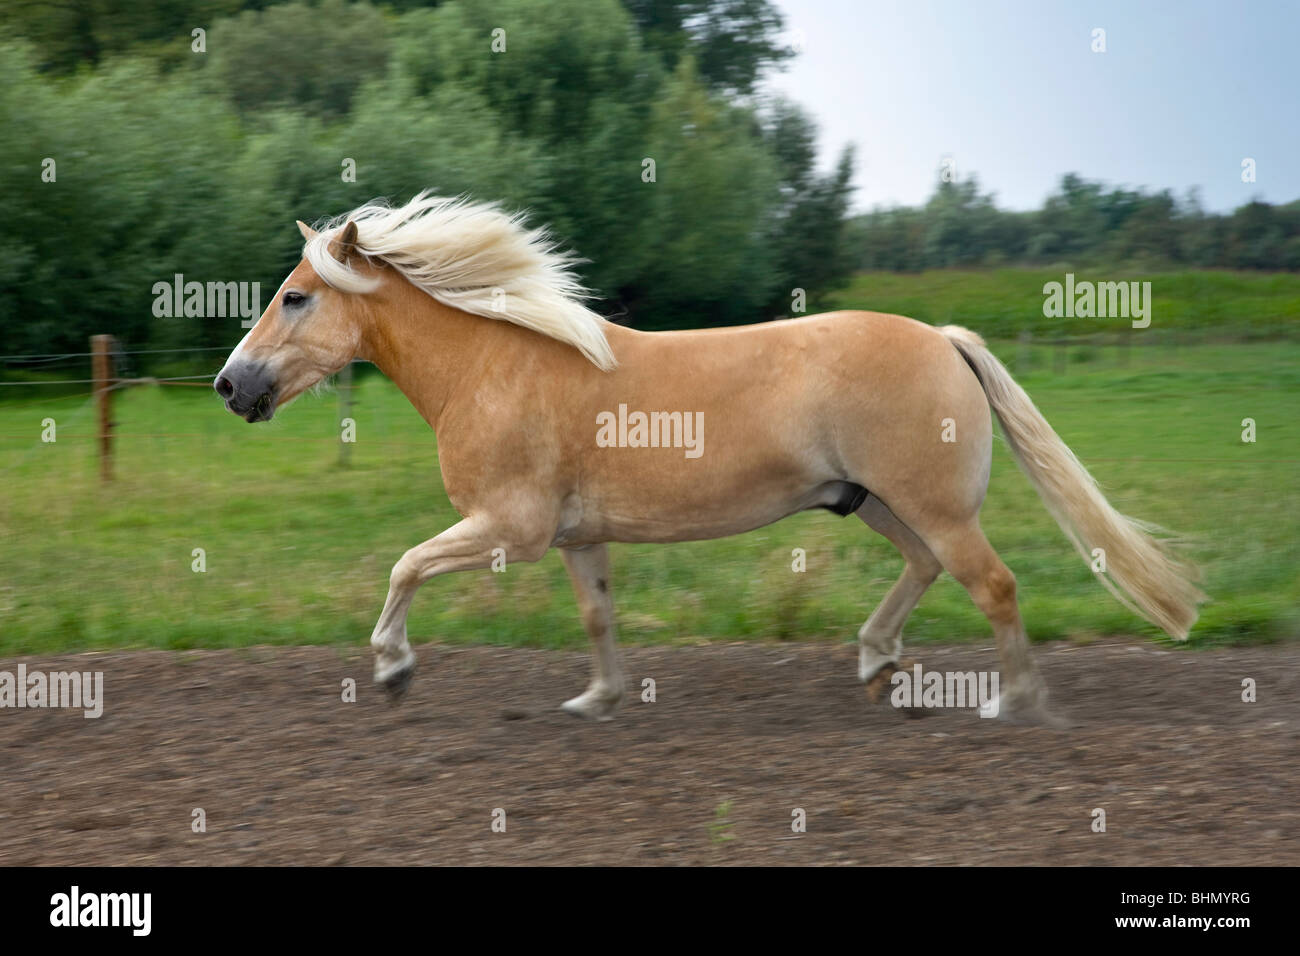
[711,505]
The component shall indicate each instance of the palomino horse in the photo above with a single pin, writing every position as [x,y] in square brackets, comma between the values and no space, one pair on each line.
[557,429]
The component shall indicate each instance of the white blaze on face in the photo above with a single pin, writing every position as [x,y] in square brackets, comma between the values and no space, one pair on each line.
[238,353]
[235,355]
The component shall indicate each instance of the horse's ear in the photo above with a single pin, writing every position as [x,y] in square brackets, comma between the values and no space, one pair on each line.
[306,230]
[345,243]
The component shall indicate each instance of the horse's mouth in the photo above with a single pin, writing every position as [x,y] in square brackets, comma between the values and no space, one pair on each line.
[260,411]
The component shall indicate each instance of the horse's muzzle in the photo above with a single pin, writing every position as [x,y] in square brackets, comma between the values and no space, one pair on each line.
[249,391]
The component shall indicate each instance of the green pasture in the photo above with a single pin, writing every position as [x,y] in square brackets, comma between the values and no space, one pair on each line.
[298,549]
[1195,305]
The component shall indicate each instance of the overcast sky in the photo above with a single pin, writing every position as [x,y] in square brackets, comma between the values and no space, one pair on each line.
[1012,91]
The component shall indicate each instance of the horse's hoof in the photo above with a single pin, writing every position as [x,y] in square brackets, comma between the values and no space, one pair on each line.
[396,679]
[398,683]
[593,705]
[871,661]
[884,678]
[877,685]
[1028,708]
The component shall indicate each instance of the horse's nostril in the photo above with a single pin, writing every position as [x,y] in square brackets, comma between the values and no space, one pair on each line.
[225,388]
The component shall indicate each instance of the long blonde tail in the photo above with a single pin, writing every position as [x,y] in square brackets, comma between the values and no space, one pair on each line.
[1140,572]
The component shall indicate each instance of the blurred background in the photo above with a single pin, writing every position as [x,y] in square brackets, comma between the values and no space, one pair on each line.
[833,150]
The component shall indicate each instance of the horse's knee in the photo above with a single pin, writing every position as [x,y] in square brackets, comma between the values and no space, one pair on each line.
[596,617]
[406,573]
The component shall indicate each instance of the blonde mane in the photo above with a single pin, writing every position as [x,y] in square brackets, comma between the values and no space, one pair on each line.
[474,257]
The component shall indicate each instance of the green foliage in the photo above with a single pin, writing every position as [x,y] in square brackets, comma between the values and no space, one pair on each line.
[1082,224]
[735,41]
[84,251]
[572,94]
[708,168]
[299,56]
[552,107]
[812,253]
[172,162]
[80,33]
[721,827]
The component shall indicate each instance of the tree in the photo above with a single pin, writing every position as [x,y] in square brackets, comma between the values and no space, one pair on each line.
[78,33]
[295,55]
[711,260]
[808,225]
[733,42]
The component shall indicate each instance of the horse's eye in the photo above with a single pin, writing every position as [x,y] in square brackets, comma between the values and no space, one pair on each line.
[294,298]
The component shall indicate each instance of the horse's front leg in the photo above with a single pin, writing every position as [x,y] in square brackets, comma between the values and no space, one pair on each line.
[589,571]
[466,546]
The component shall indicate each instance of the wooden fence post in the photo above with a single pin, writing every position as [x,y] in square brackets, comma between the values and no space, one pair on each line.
[101,347]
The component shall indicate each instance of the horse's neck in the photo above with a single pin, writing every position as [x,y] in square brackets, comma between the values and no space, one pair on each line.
[429,351]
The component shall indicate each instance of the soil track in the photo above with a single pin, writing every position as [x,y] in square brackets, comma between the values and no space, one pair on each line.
[739,736]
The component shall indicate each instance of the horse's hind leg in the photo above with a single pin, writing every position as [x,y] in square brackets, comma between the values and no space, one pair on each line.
[968,557]
[880,640]
[589,571]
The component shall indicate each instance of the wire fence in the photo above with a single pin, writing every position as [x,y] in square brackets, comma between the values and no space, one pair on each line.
[119,382]
[45,355]
[202,380]
[124,372]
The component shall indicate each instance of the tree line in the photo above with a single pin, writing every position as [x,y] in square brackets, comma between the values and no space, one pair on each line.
[151,139]
[165,145]
[1082,223]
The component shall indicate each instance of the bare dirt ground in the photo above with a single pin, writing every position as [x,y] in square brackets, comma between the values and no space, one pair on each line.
[739,737]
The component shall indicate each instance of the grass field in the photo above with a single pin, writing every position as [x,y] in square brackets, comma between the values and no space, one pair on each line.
[1002,303]
[298,549]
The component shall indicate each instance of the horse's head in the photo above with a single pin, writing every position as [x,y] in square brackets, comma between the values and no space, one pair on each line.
[310,330]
